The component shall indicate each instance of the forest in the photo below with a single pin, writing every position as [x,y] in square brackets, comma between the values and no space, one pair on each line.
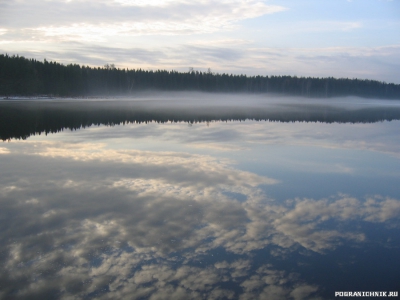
[20,76]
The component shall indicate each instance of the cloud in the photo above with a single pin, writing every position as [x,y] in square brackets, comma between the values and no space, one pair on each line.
[185,163]
[161,3]
[351,62]
[326,26]
[131,223]
[202,34]
[4,150]
[105,18]
[330,136]
[218,147]
[273,284]
[160,183]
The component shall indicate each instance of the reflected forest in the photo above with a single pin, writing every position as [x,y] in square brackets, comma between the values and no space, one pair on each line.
[21,119]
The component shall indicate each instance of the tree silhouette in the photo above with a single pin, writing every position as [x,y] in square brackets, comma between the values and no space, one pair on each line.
[29,77]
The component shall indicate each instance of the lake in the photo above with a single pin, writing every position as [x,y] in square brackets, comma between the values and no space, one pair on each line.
[199,196]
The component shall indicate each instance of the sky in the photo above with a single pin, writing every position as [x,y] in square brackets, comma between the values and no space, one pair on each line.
[318,38]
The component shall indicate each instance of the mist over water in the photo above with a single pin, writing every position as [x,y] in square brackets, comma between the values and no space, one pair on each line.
[198,196]
[21,118]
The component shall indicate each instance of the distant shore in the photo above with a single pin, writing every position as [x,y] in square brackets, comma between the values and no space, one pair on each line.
[31,78]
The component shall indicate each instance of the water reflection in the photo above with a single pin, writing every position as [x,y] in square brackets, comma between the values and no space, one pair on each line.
[170,212]
[20,119]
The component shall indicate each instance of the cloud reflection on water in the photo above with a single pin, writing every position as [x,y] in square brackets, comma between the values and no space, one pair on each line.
[85,220]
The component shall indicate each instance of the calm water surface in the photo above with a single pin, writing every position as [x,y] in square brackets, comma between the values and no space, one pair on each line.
[199,199]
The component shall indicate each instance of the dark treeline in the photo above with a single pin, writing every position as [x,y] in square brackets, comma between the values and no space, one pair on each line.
[21,119]
[29,77]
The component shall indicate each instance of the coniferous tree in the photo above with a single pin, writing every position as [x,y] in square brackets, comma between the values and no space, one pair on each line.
[28,77]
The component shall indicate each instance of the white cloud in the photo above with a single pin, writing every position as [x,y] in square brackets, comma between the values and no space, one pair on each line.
[200,164]
[122,233]
[133,18]
[199,34]
[201,182]
[379,63]
[210,38]
[4,150]
[218,147]
[325,26]
[148,2]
